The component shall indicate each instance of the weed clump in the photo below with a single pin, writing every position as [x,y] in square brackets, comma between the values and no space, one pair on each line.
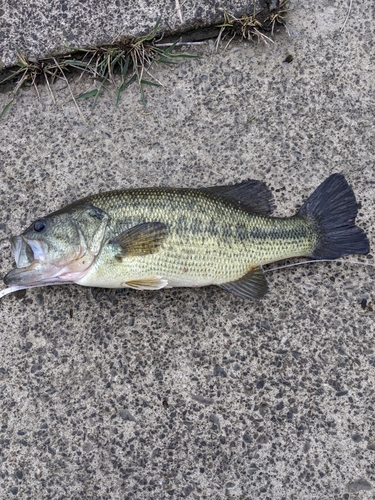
[130,58]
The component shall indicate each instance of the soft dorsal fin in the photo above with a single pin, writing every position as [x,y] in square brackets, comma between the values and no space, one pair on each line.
[251,286]
[143,239]
[253,195]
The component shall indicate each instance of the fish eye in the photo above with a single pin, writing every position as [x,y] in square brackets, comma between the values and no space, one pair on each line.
[40,226]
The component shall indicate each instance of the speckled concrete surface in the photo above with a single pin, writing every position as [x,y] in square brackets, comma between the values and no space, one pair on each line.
[41,27]
[196,393]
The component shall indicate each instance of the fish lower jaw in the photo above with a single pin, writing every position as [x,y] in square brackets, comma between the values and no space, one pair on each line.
[67,278]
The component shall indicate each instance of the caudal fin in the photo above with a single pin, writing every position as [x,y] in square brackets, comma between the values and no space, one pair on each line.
[332,209]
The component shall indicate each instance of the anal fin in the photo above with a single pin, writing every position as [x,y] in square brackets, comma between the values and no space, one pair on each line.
[251,286]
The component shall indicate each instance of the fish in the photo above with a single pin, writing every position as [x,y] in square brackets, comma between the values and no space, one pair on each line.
[154,238]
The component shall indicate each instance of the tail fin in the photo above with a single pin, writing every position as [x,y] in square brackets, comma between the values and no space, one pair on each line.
[332,209]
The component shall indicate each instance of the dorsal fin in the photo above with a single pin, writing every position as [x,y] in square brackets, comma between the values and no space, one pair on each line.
[253,195]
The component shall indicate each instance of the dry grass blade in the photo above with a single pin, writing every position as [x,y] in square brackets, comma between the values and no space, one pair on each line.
[70,90]
[23,71]
[178,10]
[347,15]
[49,88]
[34,84]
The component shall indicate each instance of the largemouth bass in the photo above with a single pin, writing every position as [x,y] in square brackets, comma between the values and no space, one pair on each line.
[155,238]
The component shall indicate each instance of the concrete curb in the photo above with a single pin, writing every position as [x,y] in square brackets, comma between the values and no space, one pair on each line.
[38,30]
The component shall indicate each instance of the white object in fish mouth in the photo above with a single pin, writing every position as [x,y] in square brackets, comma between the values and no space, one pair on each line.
[23,254]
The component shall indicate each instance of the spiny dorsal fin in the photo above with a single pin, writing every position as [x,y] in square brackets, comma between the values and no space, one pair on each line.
[155,283]
[143,239]
[251,286]
[253,195]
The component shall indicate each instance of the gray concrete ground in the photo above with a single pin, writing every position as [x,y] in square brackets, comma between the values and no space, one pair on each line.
[195,393]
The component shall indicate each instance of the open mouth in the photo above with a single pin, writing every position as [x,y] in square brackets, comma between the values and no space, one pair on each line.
[23,254]
[31,269]
[27,251]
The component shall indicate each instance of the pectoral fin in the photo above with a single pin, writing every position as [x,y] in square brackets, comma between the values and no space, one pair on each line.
[251,286]
[143,239]
[155,283]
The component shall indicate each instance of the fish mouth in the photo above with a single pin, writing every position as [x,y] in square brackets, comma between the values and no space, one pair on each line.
[27,251]
[35,269]
[31,269]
